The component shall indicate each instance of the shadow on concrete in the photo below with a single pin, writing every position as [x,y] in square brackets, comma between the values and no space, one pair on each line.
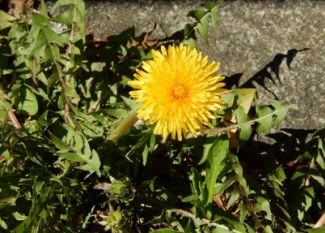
[266,73]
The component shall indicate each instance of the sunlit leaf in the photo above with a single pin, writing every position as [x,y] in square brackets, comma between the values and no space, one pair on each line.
[216,157]
[165,230]
[266,118]
[5,20]
[245,129]
[25,100]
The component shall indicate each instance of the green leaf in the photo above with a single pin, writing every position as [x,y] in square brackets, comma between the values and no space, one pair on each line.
[191,198]
[61,3]
[165,230]
[197,14]
[75,148]
[217,155]
[280,114]
[236,227]
[145,154]
[268,118]
[19,216]
[203,28]
[3,224]
[43,8]
[319,179]
[233,198]
[39,20]
[5,20]
[221,187]
[91,129]
[24,100]
[245,129]
[222,229]
[203,16]
[93,164]
[130,103]
[262,204]
[268,229]
[196,182]
[320,158]
[265,118]
[316,230]
[4,107]
[76,13]
[214,9]
[190,42]
[206,149]
[245,98]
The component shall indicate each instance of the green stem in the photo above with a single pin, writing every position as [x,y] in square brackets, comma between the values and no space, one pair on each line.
[123,127]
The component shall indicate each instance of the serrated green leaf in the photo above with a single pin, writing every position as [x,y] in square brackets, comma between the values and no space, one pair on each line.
[281,114]
[16,33]
[204,15]
[266,118]
[245,129]
[93,163]
[203,28]
[215,13]
[92,130]
[75,148]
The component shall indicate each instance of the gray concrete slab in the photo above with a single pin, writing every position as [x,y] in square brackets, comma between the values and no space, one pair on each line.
[254,39]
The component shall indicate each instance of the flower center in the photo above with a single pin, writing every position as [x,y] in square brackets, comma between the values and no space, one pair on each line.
[179,92]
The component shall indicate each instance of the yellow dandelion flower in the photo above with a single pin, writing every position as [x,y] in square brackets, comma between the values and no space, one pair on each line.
[178,90]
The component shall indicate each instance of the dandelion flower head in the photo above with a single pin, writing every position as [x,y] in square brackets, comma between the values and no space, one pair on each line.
[178,90]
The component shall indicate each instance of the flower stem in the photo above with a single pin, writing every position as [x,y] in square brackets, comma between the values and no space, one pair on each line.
[123,127]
